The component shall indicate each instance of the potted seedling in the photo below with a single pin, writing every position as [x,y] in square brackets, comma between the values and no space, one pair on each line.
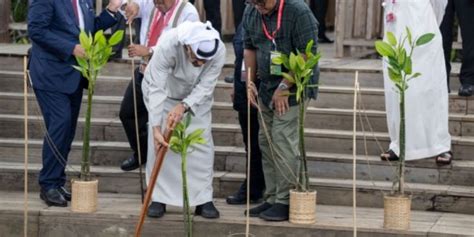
[97,52]
[180,143]
[300,71]
[398,58]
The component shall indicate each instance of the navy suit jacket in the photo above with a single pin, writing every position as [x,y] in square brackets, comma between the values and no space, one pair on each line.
[54,32]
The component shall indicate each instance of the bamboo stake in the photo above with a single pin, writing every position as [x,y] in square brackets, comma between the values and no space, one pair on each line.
[151,185]
[140,171]
[25,92]
[247,218]
[354,151]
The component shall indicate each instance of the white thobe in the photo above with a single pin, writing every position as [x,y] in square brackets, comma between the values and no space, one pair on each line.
[426,99]
[169,79]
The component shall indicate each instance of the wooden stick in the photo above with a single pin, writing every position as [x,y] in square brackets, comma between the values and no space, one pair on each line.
[354,149]
[25,91]
[151,185]
[135,111]
[249,145]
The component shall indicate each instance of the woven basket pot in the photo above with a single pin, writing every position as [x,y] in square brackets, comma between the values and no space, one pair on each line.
[397,212]
[84,196]
[302,207]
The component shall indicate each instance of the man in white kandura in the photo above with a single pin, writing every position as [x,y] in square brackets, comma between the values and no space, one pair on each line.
[426,107]
[180,78]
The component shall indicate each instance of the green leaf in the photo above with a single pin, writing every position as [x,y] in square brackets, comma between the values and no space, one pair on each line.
[77,68]
[292,62]
[384,49]
[288,77]
[424,39]
[187,120]
[408,66]
[195,134]
[409,36]
[300,61]
[84,40]
[416,75]
[309,48]
[391,38]
[116,38]
[394,75]
[313,61]
[402,56]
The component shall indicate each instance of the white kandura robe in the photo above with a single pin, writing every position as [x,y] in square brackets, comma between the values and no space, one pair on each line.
[426,100]
[169,77]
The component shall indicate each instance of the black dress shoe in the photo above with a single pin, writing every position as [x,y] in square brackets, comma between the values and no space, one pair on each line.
[156,210]
[323,39]
[278,212]
[240,198]
[130,164]
[66,194]
[465,90]
[207,210]
[53,197]
[255,212]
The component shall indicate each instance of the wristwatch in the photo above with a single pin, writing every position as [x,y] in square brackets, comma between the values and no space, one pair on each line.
[186,107]
[282,86]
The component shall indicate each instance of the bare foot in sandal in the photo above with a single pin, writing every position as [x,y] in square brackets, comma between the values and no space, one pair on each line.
[389,156]
[444,158]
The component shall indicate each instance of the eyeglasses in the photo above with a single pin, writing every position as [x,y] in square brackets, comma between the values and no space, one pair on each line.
[259,3]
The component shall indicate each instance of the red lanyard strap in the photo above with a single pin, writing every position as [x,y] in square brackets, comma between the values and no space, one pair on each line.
[265,30]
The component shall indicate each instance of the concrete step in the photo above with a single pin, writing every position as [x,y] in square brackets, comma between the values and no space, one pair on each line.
[117,216]
[222,112]
[320,140]
[108,83]
[107,108]
[447,198]
[232,159]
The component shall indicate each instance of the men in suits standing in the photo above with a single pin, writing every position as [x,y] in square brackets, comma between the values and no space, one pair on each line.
[54,27]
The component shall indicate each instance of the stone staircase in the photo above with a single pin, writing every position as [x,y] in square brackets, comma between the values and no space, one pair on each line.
[328,135]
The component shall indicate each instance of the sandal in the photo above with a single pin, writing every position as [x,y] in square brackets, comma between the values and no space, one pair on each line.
[389,156]
[444,158]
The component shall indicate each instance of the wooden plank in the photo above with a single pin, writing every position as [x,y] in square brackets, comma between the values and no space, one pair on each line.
[370,19]
[378,26]
[349,19]
[5,6]
[360,18]
[340,26]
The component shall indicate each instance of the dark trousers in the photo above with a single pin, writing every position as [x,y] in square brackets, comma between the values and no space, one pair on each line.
[238,7]
[464,10]
[213,13]
[127,116]
[319,9]
[257,180]
[60,112]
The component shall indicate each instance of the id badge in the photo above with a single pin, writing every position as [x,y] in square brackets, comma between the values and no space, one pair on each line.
[274,68]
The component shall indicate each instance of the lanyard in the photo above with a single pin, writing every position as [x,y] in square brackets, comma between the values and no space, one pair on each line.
[280,13]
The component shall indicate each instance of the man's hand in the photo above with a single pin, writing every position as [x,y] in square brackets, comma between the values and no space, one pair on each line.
[280,101]
[158,139]
[252,93]
[79,51]
[114,5]
[138,50]
[175,116]
[131,11]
